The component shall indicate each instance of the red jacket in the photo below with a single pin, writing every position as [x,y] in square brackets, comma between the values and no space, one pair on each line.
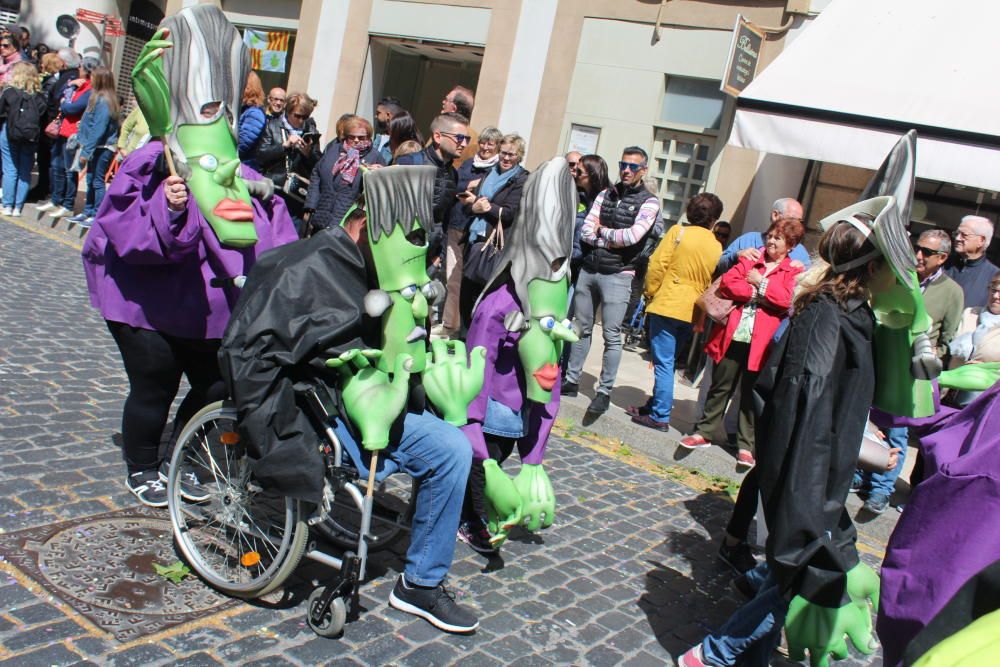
[772,308]
[71,120]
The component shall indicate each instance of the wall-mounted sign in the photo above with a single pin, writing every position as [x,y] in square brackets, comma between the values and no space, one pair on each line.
[143,19]
[744,54]
[583,139]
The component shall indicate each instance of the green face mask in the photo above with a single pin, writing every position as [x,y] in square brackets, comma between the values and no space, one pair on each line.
[540,347]
[401,266]
[219,191]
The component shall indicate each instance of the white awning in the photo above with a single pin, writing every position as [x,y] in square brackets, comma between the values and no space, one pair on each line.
[866,71]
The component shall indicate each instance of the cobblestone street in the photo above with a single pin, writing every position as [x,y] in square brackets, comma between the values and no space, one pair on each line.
[626,575]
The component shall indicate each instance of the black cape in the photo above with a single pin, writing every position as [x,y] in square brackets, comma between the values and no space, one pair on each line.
[301,305]
[812,400]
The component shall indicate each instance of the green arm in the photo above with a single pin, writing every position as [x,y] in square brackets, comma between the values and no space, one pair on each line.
[971,377]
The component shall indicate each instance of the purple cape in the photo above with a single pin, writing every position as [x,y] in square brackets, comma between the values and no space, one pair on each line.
[503,380]
[152,269]
[950,530]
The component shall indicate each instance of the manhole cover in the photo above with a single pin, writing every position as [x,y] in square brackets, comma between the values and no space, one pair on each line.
[102,566]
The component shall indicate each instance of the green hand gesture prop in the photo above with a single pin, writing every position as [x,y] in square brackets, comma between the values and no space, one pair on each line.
[971,377]
[372,400]
[450,382]
[503,502]
[149,83]
[823,630]
[863,586]
[539,500]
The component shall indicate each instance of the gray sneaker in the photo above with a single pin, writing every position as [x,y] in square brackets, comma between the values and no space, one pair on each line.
[436,605]
[147,487]
[876,503]
[192,490]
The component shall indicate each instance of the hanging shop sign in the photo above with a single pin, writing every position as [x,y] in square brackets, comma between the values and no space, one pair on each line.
[744,55]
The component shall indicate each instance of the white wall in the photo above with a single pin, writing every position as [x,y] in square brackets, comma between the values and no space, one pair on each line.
[777,176]
[40,17]
[443,23]
[329,44]
[524,79]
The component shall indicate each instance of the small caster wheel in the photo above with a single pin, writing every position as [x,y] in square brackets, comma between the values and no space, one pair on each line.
[334,618]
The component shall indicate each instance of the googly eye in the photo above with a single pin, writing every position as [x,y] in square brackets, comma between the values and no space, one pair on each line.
[408,292]
[548,323]
[567,323]
[429,291]
[208,162]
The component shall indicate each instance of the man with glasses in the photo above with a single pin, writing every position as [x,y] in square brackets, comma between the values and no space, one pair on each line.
[968,266]
[275,103]
[573,159]
[461,100]
[612,238]
[944,301]
[750,243]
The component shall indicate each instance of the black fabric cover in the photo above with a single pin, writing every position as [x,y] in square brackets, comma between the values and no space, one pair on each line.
[301,305]
[812,401]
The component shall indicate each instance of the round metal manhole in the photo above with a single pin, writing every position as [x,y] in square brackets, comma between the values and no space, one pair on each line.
[108,563]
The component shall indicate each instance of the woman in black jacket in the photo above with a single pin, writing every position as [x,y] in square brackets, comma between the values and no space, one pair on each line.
[495,202]
[335,183]
[289,145]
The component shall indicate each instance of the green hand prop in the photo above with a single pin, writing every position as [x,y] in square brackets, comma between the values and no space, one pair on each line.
[539,500]
[372,400]
[863,586]
[503,502]
[822,630]
[149,83]
[450,382]
[971,377]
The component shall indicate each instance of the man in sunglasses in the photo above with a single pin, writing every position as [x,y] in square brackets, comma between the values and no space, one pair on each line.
[969,267]
[612,239]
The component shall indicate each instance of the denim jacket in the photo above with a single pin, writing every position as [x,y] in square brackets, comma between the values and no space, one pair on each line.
[97,128]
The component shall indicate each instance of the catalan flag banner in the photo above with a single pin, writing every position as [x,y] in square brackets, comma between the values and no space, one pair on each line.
[268,50]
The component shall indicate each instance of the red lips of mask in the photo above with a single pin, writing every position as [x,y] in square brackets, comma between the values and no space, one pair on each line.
[232,209]
[547,376]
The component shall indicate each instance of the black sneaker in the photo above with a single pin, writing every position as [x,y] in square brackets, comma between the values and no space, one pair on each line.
[477,537]
[436,605]
[569,389]
[739,557]
[742,586]
[876,503]
[600,404]
[147,487]
[192,490]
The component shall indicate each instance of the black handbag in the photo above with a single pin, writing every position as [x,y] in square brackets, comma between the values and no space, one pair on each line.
[483,257]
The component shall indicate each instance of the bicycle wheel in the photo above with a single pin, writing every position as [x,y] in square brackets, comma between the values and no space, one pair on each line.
[391,514]
[241,539]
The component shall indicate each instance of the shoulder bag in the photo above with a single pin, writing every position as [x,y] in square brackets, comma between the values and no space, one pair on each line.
[52,129]
[483,257]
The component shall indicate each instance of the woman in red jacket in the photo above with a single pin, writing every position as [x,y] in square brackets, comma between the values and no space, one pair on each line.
[761,286]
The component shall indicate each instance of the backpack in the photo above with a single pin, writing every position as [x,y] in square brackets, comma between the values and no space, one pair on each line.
[24,119]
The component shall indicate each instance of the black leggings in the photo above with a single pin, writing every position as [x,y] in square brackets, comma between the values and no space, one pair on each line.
[154,363]
[745,508]
[475,503]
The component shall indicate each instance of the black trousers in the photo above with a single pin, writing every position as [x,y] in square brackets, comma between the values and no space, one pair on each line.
[745,508]
[154,363]
[474,506]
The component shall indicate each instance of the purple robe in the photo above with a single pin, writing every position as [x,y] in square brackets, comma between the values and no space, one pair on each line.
[950,530]
[152,268]
[503,380]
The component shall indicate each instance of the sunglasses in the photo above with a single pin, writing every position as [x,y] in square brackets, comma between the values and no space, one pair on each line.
[300,116]
[358,138]
[458,138]
[5,45]
[572,165]
[631,166]
[926,252]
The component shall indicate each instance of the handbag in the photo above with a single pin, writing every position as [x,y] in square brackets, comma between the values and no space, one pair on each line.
[716,307]
[483,257]
[296,187]
[52,129]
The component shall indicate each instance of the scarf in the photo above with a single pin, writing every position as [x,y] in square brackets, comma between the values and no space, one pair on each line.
[965,345]
[480,163]
[349,162]
[492,184]
[288,126]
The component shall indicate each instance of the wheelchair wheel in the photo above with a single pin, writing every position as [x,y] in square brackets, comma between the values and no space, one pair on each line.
[334,618]
[391,514]
[241,539]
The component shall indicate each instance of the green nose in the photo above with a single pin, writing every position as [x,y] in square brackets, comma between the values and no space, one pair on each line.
[563,333]
[225,174]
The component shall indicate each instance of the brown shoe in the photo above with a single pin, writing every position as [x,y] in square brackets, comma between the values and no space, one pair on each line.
[646,420]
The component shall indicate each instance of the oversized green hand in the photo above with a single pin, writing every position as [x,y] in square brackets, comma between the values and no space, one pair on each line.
[823,630]
[863,585]
[971,377]
[150,84]
[503,502]
[372,400]
[450,382]
[539,500]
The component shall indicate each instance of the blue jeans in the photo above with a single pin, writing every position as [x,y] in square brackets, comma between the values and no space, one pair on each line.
[666,335]
[438,456]
[17,161]
[754,631]
[96,168]
[611,293]
[885,483]
[63,186]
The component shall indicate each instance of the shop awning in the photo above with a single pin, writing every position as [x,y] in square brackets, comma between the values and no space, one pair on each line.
[866,71]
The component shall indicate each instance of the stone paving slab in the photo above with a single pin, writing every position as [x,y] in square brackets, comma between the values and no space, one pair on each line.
[627,575]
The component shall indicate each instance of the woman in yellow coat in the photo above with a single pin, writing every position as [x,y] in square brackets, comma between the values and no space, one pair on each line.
[679,271]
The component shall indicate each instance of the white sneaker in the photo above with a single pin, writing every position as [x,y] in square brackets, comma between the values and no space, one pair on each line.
[45,207]
[60,212]
[6,210]
[16,213]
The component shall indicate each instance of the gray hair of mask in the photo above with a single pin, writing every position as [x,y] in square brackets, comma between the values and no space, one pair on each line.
[542,232]
[399,195]
[208,63]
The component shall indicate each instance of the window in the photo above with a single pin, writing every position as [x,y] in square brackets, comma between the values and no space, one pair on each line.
[680,166]
[693,103]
